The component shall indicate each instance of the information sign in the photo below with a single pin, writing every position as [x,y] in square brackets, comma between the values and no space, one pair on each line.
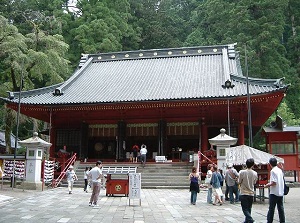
[134,186]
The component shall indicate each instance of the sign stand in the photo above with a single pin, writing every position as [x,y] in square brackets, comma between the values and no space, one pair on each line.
[135,187]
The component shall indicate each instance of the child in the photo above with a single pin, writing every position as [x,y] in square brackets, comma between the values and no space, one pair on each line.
[71,176]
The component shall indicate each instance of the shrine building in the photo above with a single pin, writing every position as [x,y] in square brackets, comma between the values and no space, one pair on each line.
[168,99]
[284,141]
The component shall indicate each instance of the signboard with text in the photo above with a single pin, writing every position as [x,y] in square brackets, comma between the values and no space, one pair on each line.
[134,186]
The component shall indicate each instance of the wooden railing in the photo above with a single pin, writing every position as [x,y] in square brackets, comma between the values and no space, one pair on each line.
[62,174]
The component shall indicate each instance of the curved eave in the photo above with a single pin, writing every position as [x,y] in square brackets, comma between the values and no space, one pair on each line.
[262,105]
[230,94]
[150,103]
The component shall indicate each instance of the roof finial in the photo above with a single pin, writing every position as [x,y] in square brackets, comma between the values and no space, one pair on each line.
[222,130]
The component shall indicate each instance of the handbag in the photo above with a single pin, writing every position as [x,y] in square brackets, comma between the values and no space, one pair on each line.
[219,191]
[232,176]
[207,180]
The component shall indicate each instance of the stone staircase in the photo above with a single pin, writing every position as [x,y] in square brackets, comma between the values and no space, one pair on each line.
[154,175]
[166,175]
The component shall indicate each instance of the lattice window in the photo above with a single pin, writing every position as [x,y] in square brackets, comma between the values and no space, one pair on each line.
[283,148]
[103,130]
[142,129]
[69,137]
[183,128]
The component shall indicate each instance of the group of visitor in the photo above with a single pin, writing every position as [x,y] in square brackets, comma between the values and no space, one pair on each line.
[92,177]
[240,185]
[241,188]
[139,154]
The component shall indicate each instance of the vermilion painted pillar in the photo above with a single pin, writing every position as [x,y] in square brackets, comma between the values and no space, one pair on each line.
[52,140]
[52,134]
[241,137]
[204,137]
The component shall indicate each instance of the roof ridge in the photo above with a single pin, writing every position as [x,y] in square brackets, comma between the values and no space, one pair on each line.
[159,53]
[276,81]
[59,90]
[28,93]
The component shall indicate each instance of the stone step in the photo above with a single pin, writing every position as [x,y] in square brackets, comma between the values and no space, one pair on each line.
[154,175]
[175,177]
[165,187]
[145,184]
[149,165]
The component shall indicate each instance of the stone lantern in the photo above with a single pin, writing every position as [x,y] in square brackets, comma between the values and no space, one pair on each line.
[222,141]
[34,155]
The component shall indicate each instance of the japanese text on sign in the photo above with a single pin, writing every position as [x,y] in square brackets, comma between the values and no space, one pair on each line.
[135,186]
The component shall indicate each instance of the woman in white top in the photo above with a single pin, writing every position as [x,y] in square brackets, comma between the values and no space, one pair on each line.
[209,187]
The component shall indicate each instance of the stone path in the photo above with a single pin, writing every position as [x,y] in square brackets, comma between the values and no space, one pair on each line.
[157,205]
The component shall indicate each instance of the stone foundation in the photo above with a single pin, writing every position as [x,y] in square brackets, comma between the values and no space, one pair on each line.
[31,185]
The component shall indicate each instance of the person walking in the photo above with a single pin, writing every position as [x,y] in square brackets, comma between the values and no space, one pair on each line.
[89,179]
[71,176]
[226,187]
[247,179]
[276,185]
[231,177]
[222,183]
[194,185]
[143,154]
[135,150]
[207,181]
[86,179]
[216,186]
[96,175]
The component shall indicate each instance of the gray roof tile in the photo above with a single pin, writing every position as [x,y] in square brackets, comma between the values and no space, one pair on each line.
[153,75]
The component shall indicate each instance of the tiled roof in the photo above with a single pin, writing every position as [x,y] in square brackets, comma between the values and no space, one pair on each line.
[284,129]
[153,75]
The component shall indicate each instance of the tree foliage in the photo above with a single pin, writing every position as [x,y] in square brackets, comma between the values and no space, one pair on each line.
[29,61]
[102,26]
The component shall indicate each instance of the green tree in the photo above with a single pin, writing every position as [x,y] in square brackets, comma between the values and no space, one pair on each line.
[163,23]
[103,26]
[292,39]
[267,25]
[286,114]
[31,61]
[257,24]
[12,52]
